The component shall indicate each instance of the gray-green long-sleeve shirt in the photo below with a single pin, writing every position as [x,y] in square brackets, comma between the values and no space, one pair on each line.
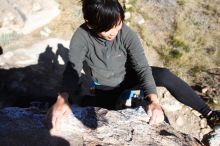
[107,59]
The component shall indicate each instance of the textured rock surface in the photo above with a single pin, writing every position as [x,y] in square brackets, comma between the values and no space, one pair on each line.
[23,16]
[214,137]
[88,126]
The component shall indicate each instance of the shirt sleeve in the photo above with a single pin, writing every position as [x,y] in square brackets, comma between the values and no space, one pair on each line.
[139,62]
[72,72]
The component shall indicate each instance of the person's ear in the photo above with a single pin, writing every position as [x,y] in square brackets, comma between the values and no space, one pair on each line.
[87,23]
[89,26]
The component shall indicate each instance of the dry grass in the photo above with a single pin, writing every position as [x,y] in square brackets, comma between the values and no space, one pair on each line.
[189,44]
[194,31]
[69,19]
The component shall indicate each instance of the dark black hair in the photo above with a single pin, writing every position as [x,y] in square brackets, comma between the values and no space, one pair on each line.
[102,15]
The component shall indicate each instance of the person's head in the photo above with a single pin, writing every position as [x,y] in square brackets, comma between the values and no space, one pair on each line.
[104,17]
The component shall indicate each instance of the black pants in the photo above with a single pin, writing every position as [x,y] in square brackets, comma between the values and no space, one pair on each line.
[107,96]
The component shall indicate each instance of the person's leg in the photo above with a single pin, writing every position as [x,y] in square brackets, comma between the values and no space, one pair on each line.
[96,95]
[102,99]
[104,96]
[100,95]
[179,89]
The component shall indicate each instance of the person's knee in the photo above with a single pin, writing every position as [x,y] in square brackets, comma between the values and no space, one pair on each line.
[165,71]
[165,77]
[165,74]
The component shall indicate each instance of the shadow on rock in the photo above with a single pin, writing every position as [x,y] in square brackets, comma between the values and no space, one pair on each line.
[21,127]
[31,138]
[39,82]
[37,85]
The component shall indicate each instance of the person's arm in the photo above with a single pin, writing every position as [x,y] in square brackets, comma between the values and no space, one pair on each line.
[57,112]
[70,81]
[77,52]
[154,110]
[139,63]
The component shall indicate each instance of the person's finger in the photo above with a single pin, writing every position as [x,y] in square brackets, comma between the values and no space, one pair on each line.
[157,120]
[67,113]
[149,112]
[161,119]
[53,121]
[58,122]
[152,120]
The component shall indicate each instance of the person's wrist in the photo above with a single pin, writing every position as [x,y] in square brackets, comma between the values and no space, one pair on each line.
[63,97]
[152,98]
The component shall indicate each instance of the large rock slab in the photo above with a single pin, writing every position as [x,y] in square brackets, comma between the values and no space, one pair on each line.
[88,126]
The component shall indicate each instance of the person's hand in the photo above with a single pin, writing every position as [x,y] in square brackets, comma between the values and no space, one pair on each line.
[60,109]
[155,111]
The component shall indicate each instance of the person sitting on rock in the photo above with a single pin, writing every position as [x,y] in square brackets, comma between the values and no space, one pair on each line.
[113,60]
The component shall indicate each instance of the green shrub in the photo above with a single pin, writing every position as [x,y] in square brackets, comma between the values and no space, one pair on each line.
[179,44]
[181,2]
[175,54]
